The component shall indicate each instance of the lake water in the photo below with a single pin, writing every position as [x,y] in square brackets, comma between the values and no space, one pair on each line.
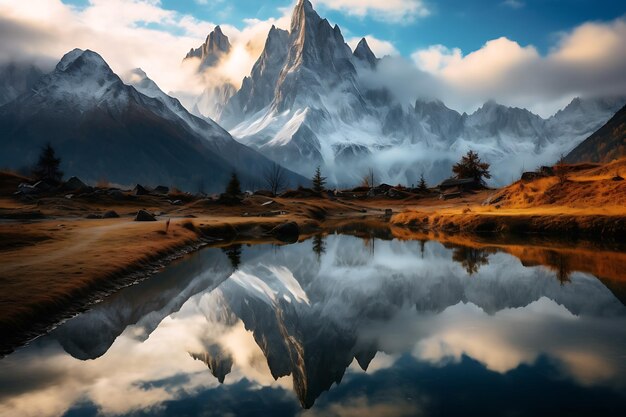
[334,326]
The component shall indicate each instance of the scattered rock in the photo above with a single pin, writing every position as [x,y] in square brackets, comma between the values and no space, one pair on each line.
[111,214]
[144,216]
[26,189]
[287,232]
[74,184]
[617,178]
[176,202]
[140,190]
[93,216]
[161,189]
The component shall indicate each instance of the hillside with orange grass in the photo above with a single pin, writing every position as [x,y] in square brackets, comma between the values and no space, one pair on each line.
[583,186]
[588,200]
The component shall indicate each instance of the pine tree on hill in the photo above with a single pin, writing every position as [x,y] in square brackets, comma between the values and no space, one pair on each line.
[472,167]
[47,167]
[318,181]
[233,188]
[422,187]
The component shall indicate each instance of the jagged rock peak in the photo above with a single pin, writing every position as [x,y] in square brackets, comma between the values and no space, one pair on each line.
[364,53]
[216,45]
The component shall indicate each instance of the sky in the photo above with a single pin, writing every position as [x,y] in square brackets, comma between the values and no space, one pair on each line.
[476,50]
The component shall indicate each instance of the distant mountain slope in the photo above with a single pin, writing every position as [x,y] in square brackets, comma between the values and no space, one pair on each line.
[104,129]
[309,100]
[16,79]
[605,145]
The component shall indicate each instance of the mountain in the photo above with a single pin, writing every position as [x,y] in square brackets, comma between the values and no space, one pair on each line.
[364,54]
[210,103]
[605,145]
[16,79]
[309,100]
[212,50]
[105,129]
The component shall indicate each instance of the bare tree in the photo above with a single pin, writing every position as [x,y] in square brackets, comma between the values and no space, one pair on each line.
[275,178]
[368,179]
[560,169]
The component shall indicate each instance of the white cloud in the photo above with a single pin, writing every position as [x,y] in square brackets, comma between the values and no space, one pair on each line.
[128,34]
[386,10]
[588,61]
[380,47]
[436,57]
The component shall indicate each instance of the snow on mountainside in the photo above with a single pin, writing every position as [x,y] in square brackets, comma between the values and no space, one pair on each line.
[105,129]
[16,79]
[306,103]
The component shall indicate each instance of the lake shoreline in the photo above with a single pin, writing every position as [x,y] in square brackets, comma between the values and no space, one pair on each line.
[19,327]
[58,255]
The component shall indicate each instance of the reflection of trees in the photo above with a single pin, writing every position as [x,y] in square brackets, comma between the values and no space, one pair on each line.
[422,246]
[560,264]
[234,255]
[470,258]
[319,246]
[370,244]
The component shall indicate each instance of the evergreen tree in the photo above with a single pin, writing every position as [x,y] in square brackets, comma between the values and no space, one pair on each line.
[471,166]
[233,188]
[319,246]
[318,181]
[422,187]
[47,167]
[233,252]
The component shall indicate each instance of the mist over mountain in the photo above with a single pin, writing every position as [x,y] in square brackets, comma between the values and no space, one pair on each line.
[605,145]
[106,130]
[211,102]
[309,101]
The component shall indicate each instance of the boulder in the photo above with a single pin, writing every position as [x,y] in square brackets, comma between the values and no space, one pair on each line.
[74,184]
[93,216]
[26,189]
[140,190]
[287,232]
[43,185]
[161,189]
[111,214]
[144,216]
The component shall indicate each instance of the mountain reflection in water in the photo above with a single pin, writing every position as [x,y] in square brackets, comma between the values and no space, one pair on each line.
[337,325]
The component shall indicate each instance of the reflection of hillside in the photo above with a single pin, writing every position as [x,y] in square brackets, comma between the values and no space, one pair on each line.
[315,339]
[607,261]
[310,306]
[90,334]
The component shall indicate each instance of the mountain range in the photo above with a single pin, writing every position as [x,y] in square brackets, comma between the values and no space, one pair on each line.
[307,102]
[605,145]
[107,130]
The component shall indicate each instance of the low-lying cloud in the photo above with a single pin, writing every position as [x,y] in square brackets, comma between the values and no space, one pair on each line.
[588,61]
